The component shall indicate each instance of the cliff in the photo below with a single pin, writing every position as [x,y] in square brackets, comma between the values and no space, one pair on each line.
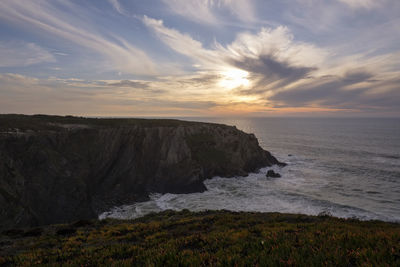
[57,169]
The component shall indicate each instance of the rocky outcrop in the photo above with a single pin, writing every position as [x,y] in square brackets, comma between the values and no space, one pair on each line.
[273,174]
[59,169]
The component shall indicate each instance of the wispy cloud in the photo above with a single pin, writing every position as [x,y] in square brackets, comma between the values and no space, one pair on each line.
[182,43]
[21,54]
[245,10]
[278,42]
[117,6]
[46,17]
[269,56]
[129,83]
[315,56]
[284,73]
[197,10]
[208,11]
[23,94]
[368,4]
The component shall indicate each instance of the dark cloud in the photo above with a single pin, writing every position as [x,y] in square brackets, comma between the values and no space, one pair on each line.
[129,83]
[137,85]
[331,91]
[201,105]
[193,105]
[272,68]
[269,70]
[356,77]
[203,80]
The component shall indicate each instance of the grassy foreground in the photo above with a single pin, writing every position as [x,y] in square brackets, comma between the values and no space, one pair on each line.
[208,238]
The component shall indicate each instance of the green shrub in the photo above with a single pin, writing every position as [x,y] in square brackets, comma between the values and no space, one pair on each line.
[213,238]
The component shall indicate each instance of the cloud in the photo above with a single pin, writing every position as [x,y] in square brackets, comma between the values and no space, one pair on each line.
[21,54]
[270,74]
[117,6]
[182,43]
[270,56]
[197,10]
[209,11]
[46,17]
[343,22]
[243,9]
[141,85]
[278,43]
[129,83]
[279,72]
[264,69]
[367,4]
[354,90]
[23,94]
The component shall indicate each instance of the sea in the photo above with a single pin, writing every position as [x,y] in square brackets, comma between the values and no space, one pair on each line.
[342,167]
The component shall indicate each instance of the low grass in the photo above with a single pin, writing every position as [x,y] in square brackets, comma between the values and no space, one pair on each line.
[11,122]
[212,238]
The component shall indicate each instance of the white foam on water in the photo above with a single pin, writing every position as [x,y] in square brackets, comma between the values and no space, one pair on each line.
[294,192]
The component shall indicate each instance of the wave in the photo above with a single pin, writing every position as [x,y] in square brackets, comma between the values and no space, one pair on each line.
[254,193]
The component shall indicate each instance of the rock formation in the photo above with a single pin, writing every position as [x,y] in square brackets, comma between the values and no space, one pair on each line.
[273,174]
[59,169]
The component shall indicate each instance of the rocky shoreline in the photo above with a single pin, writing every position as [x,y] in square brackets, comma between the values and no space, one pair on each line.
[57,169]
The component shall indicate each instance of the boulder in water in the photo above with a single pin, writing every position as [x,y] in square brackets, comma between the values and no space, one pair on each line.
[273,174]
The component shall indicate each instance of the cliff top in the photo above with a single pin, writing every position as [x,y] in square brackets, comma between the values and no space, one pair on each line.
[17,122]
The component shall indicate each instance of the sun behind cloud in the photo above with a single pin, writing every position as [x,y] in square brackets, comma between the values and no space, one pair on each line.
[234,78]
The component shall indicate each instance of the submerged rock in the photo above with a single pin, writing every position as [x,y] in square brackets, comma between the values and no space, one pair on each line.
[60,169]
[281,164]
[273,174]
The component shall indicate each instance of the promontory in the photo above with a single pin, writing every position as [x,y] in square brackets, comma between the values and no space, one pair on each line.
[56,169]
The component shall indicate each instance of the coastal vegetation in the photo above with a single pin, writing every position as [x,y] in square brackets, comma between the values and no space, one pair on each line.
[19,122]
[209,238]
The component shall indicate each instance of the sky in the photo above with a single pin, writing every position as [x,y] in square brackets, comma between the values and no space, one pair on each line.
[169,58]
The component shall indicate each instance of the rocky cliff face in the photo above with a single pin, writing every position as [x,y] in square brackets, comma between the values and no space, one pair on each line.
[59,169]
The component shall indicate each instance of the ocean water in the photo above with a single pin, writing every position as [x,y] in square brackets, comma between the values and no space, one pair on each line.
[347,168]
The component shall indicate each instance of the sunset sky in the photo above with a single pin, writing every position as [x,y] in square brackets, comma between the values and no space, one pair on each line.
[200,57]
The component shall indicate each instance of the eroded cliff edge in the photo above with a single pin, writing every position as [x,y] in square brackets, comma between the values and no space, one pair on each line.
[59,169]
